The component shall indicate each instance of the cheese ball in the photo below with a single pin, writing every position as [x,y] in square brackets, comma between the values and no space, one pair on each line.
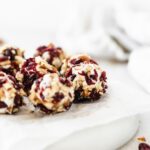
[11,59]
[52,94]
[10,94]
[53,55]
[32,69]
[88,79]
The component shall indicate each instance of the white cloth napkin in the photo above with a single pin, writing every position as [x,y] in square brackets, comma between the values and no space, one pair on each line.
[138,67]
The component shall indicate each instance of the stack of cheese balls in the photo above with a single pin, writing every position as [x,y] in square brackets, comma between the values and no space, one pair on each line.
[51,80]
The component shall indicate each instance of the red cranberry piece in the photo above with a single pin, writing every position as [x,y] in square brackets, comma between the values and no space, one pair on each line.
[41,94]
[70,95]
[93,62]
[88,80]
[65,81]
[58,96]
[30,73]
[41,48]
[18,101]
[2,81]
[78,93]
[44,109]
[67,106]
[2,74]
[95,76]
[29,65]
[3,58]
[69,73]
[94,95]
[3,105]
[38,84]
[76,61]
[144,146]
[28,81]
[73,77]
[16,84]
[103,76]
[53,52]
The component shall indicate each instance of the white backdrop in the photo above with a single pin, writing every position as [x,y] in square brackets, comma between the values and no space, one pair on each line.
[77,25]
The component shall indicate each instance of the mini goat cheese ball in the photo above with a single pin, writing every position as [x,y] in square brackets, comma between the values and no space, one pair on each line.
[11,59]
[88,79]
[53,55]
[10,94]
[32,69]
[52,93]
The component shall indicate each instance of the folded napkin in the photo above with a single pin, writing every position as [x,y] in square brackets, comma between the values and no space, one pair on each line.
[138,67]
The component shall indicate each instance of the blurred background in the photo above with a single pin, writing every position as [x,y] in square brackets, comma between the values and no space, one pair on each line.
[109,29]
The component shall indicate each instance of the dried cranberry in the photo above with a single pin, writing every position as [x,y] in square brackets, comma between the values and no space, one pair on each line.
[76,61]
[88,80]
[3,58]
[70,95]
[41,94]
[79,98]
[41,48]
[103,76]
[2,81]
[2,74]
[78,95]
[94,95]
[65,81]
[95,76]
[18,101]
[44,109]
[52,51]
[28,81]
[144,146]
[38,84]
[69,72]
[30,73]
[67,105]
[73,77]
[3,104]
[58,96]
[93,62]
[29,65]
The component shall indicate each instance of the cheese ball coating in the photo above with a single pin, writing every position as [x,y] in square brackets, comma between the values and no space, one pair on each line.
[88,79]
[10,94]
[11,59]
[53,55]
[32,69]
[52,94]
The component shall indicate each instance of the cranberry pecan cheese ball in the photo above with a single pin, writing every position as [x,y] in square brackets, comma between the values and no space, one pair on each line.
[32,69]
[88,79]
[10,94]
[53,55]
[11,59]
[52,94]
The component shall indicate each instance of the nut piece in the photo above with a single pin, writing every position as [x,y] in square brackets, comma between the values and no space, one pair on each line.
[32,69]
[10,94]
[52,94]
[53,55]
[11,59]
[88,79]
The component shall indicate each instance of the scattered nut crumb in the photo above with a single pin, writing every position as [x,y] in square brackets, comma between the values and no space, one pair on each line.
[141,139]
